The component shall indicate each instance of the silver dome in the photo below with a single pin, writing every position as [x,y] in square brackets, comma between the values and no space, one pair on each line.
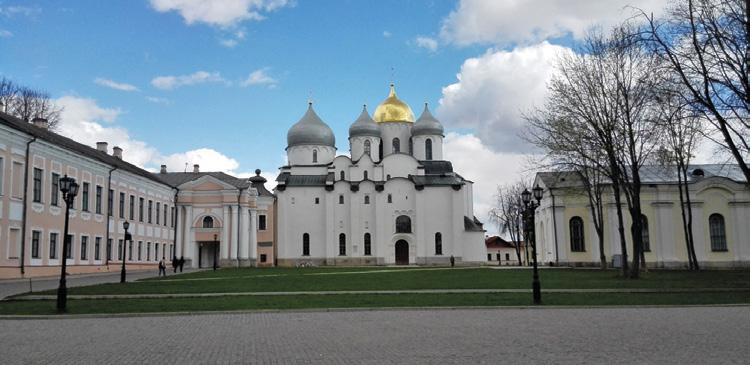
[310,130]
[427,125]
[364,125]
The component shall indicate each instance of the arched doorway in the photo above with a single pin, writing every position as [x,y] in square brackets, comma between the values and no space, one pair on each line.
[402,252]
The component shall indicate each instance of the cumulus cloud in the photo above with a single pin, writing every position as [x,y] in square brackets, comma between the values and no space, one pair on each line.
[531,21]
[427,43]
[173,82]
[114,85]
[260,77]
[493,90]
[225,13]
[486,168]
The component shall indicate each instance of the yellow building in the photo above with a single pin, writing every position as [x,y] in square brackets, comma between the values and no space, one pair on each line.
[720,199]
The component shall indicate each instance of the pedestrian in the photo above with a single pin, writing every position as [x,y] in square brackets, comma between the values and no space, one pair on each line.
[453,261]
[174,264]
[162,267]
[182,262]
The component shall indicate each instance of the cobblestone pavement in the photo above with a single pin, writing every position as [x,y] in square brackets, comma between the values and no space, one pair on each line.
[695,335]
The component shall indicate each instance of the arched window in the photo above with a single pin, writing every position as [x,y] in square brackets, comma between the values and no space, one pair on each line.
[428,149]
[367,199]
[208,222]
[341,199]
[367,147]
[315,156]
[342,245]
[438,243]
[317,200]
[305,244]
[365,175]
[411,146]
[390,198]
[645,238]
[396,145]
[403,224]
[368,245]
[342,175]
[577,243]
[718,232]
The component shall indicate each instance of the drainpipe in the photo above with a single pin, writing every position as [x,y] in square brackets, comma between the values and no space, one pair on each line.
[554,226]
[110,209]
[239,216]
[25,205]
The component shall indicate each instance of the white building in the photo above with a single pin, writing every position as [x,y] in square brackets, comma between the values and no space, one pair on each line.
[394,201]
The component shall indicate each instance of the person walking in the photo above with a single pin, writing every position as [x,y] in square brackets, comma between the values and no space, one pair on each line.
[453,261]
[174,264]
[162,267]
[182,262]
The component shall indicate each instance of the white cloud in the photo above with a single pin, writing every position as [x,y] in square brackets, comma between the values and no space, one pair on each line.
[427,43]
[225,13]
[158,100]
[233,39]
[172,82]
[229,43]
[260,77]
[5,33]
[531,21]
[387,34]
[493,90]
[208,159]
[485,167]
[13,10]
[114,85]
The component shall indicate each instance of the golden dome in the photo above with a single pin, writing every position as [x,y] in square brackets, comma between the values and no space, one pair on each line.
[392,109]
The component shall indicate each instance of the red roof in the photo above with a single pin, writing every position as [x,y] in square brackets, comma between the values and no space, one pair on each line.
[497,242]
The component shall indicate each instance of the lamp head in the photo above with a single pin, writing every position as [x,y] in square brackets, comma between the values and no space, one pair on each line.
[73,189]
[126,225]
[64,183]
[526,196]
[538,193]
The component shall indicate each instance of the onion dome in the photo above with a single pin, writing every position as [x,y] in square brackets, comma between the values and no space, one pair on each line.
[310,130]
[364,126]
[257,178]
[427,125]
[392,109]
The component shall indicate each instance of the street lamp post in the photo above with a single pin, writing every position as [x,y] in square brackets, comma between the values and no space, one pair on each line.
[530,207]
[125,225]
[69,189]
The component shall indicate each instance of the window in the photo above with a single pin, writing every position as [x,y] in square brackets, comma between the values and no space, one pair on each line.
[262,222]
[35,236]
[263,257]
[38,185]
[97,247]
[498,257]
[367,147]
[119,249]
[132,207]
[489,257]
[110,201]
[140,209]
[158,208]
[122,205]
[438,243]
[367,199]
[166,209]
[317,200]
[577,243]
[396,145]
[718,232]
[98,202]
[411,146]
[109,249]
[380,150]
[364,175]
[305,244]
[55,192]
[69,251]
[85,197]
[17,181]
[208,222]
[428,149]
[342,244]
[390,198]
[368,244]
[140,246]
[150,209]
[403,224]
[341,199]
[342,175]
[173,217]
[315,156]
[53,245]
[644,234]
[148,251]
[130,250]
[84,248]
[507,257]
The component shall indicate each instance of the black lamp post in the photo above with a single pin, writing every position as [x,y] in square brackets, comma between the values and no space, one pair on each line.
[216,247]
[529,226]
[69,189]
[125,225]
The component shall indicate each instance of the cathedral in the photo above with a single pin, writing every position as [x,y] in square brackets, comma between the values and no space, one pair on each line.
[392,200]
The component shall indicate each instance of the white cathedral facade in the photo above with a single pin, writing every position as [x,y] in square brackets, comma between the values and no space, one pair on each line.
[394,201]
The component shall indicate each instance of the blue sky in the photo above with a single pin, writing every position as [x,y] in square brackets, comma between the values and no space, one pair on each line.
[220,82]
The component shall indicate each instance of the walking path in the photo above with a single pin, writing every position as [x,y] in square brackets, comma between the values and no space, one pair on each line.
[370,292]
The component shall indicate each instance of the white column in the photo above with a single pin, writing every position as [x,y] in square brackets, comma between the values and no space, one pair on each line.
[189,248]
[225,234]
[235,241]
[244,234]
[178,231]
[254,235]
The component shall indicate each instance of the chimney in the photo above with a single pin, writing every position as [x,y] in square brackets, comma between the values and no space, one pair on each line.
[40,122]
[196,168]
[117,152]
[163,169]
[101,146]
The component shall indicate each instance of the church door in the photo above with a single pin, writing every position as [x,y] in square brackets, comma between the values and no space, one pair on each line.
[402,252]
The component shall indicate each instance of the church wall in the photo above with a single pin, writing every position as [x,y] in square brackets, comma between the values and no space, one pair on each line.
[303,155]
[420,150]
[357,147]
[391,130]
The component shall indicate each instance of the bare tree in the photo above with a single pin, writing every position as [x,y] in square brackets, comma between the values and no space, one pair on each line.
[27,103]
[705,43]
[507,214]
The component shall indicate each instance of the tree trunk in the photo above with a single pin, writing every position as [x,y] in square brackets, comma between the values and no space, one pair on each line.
[690,238]
[621,228]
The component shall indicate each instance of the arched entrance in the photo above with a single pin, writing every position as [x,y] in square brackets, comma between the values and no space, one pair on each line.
[402,252]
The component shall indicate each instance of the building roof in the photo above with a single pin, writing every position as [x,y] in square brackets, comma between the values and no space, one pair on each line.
[473,224]
[392,109]
[497,242]
[310,130]
[79,148]
[178,178]
[427,125]
[364,125]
